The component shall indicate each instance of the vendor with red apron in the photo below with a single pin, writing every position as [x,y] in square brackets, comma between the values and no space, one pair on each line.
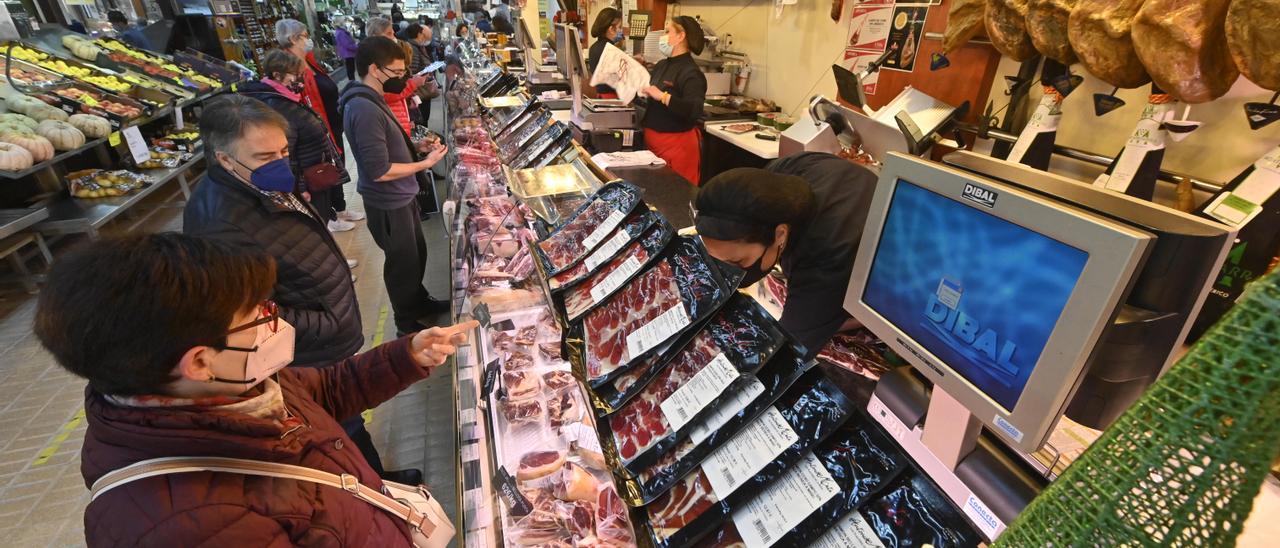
[607,29]
[676,92]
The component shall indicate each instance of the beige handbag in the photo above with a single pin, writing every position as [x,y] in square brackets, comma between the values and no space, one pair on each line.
[427,520]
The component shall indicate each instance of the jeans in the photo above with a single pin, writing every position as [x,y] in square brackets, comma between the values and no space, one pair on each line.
[398,232]
[360,436]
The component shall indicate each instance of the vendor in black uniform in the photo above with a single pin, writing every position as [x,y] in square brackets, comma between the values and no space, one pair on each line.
[804,212]
[676,93]
[607,29]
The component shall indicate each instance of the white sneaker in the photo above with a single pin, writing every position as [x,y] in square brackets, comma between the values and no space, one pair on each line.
[340,225]
[351,263]
[351,216]
[353,278]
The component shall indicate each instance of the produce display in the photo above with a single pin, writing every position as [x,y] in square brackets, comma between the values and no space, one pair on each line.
[97,183]
[81,47]
[14,157]
[62,135]
[93,127]
[92,76]
[30,77]
[100,101]
[39,147]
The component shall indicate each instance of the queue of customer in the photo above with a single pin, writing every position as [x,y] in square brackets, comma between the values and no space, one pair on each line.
[240,338]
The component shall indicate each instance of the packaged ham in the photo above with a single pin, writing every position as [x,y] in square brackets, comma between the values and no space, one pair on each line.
[912,511]
[862,460]
[725,353]
[587,227]
[635,226]
[615,273]
[746,466]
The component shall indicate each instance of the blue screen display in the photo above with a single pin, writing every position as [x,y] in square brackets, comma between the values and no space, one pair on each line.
[979,292]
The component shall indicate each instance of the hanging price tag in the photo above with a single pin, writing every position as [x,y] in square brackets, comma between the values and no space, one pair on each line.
[178,122]
[114,139]
[137,144]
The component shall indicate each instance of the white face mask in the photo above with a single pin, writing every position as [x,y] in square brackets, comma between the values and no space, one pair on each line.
[308,45]
[664,46]
[273,352]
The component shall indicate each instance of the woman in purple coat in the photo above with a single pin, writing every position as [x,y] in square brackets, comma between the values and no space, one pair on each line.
[346,45]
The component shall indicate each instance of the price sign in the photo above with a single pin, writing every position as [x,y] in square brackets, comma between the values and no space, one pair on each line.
[137,144]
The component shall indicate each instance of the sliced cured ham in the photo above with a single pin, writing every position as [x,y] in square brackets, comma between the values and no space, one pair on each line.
[612,525]
[1253,37]
[648,296]
[536,464]
[519,412]
[579,298]
[517,361]
[527,335]
[556,380]
[1183,44]
[1006,24]
[521,384]
[566,245]
[640,423]
[1047,25]
[681,505]
[1099,31]
[550,351]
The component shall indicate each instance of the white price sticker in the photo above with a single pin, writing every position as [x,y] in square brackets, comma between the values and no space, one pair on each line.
[615,279]
[743,456]
[178,122]
[137,144]
[467,416]
[611,222]
[785,503]
[852,531]
[695,395]
[606,251]
[741,398]
[657,331]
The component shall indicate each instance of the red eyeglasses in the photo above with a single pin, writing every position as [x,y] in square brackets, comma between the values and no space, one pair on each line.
[268,314]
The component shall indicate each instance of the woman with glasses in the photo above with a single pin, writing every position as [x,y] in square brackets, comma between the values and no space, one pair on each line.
[187,359]
[320,92]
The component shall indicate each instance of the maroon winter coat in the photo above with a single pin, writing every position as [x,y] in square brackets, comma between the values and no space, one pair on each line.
[218,509]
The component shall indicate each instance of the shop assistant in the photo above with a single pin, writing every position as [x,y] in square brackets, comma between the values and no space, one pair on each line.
[676,92]
[804,212]
[607,29]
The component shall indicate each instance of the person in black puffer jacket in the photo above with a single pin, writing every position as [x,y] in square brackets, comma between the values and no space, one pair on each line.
[240,201]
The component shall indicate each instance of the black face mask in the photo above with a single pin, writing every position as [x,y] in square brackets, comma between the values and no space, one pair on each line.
[757,271]
[394,84]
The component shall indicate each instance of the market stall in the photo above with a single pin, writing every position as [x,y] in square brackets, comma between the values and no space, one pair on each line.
[92,127]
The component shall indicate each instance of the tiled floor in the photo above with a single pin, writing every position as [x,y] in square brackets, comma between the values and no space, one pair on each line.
[42,495]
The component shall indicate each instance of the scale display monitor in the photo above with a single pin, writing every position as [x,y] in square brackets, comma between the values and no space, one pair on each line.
[995,294]
[986,302]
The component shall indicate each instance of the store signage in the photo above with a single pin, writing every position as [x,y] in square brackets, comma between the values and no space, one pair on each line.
[490,380]
[482,315]
[137,144]
[510,493]
[1261,114]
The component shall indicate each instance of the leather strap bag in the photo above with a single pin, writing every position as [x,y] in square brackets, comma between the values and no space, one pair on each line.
[427,520]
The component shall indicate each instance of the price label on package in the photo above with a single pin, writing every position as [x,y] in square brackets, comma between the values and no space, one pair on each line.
[700,391]
[611,222]
[599,256]
[615,279]
[752,449]
[137,144]
[786,503]
[742,396]
[657,331]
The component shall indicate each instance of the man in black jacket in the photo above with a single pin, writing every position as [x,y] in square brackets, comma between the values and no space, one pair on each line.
[250,198]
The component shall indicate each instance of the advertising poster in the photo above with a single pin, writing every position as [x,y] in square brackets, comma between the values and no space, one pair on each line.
[869,26]
[857,61]
[905,32]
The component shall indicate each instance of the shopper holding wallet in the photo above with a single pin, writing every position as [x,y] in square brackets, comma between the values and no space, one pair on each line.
[387,165]
[676,93]
[187,359]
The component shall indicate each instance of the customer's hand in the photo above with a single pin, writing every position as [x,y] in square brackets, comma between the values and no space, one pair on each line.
[419,80]
[436,155]
[431,347]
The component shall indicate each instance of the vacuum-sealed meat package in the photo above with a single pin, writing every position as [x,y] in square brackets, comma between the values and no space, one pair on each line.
[614,274]
[912,512]
[636,226]
[773,448]
[587,227]
[864,461]
[726,352]
[679,290]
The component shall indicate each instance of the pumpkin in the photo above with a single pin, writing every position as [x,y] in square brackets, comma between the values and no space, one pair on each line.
[62,135]
[14,157]
[81,47]
[48,113]
[93,127]
[18,120]
[23,104]
[39,147]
